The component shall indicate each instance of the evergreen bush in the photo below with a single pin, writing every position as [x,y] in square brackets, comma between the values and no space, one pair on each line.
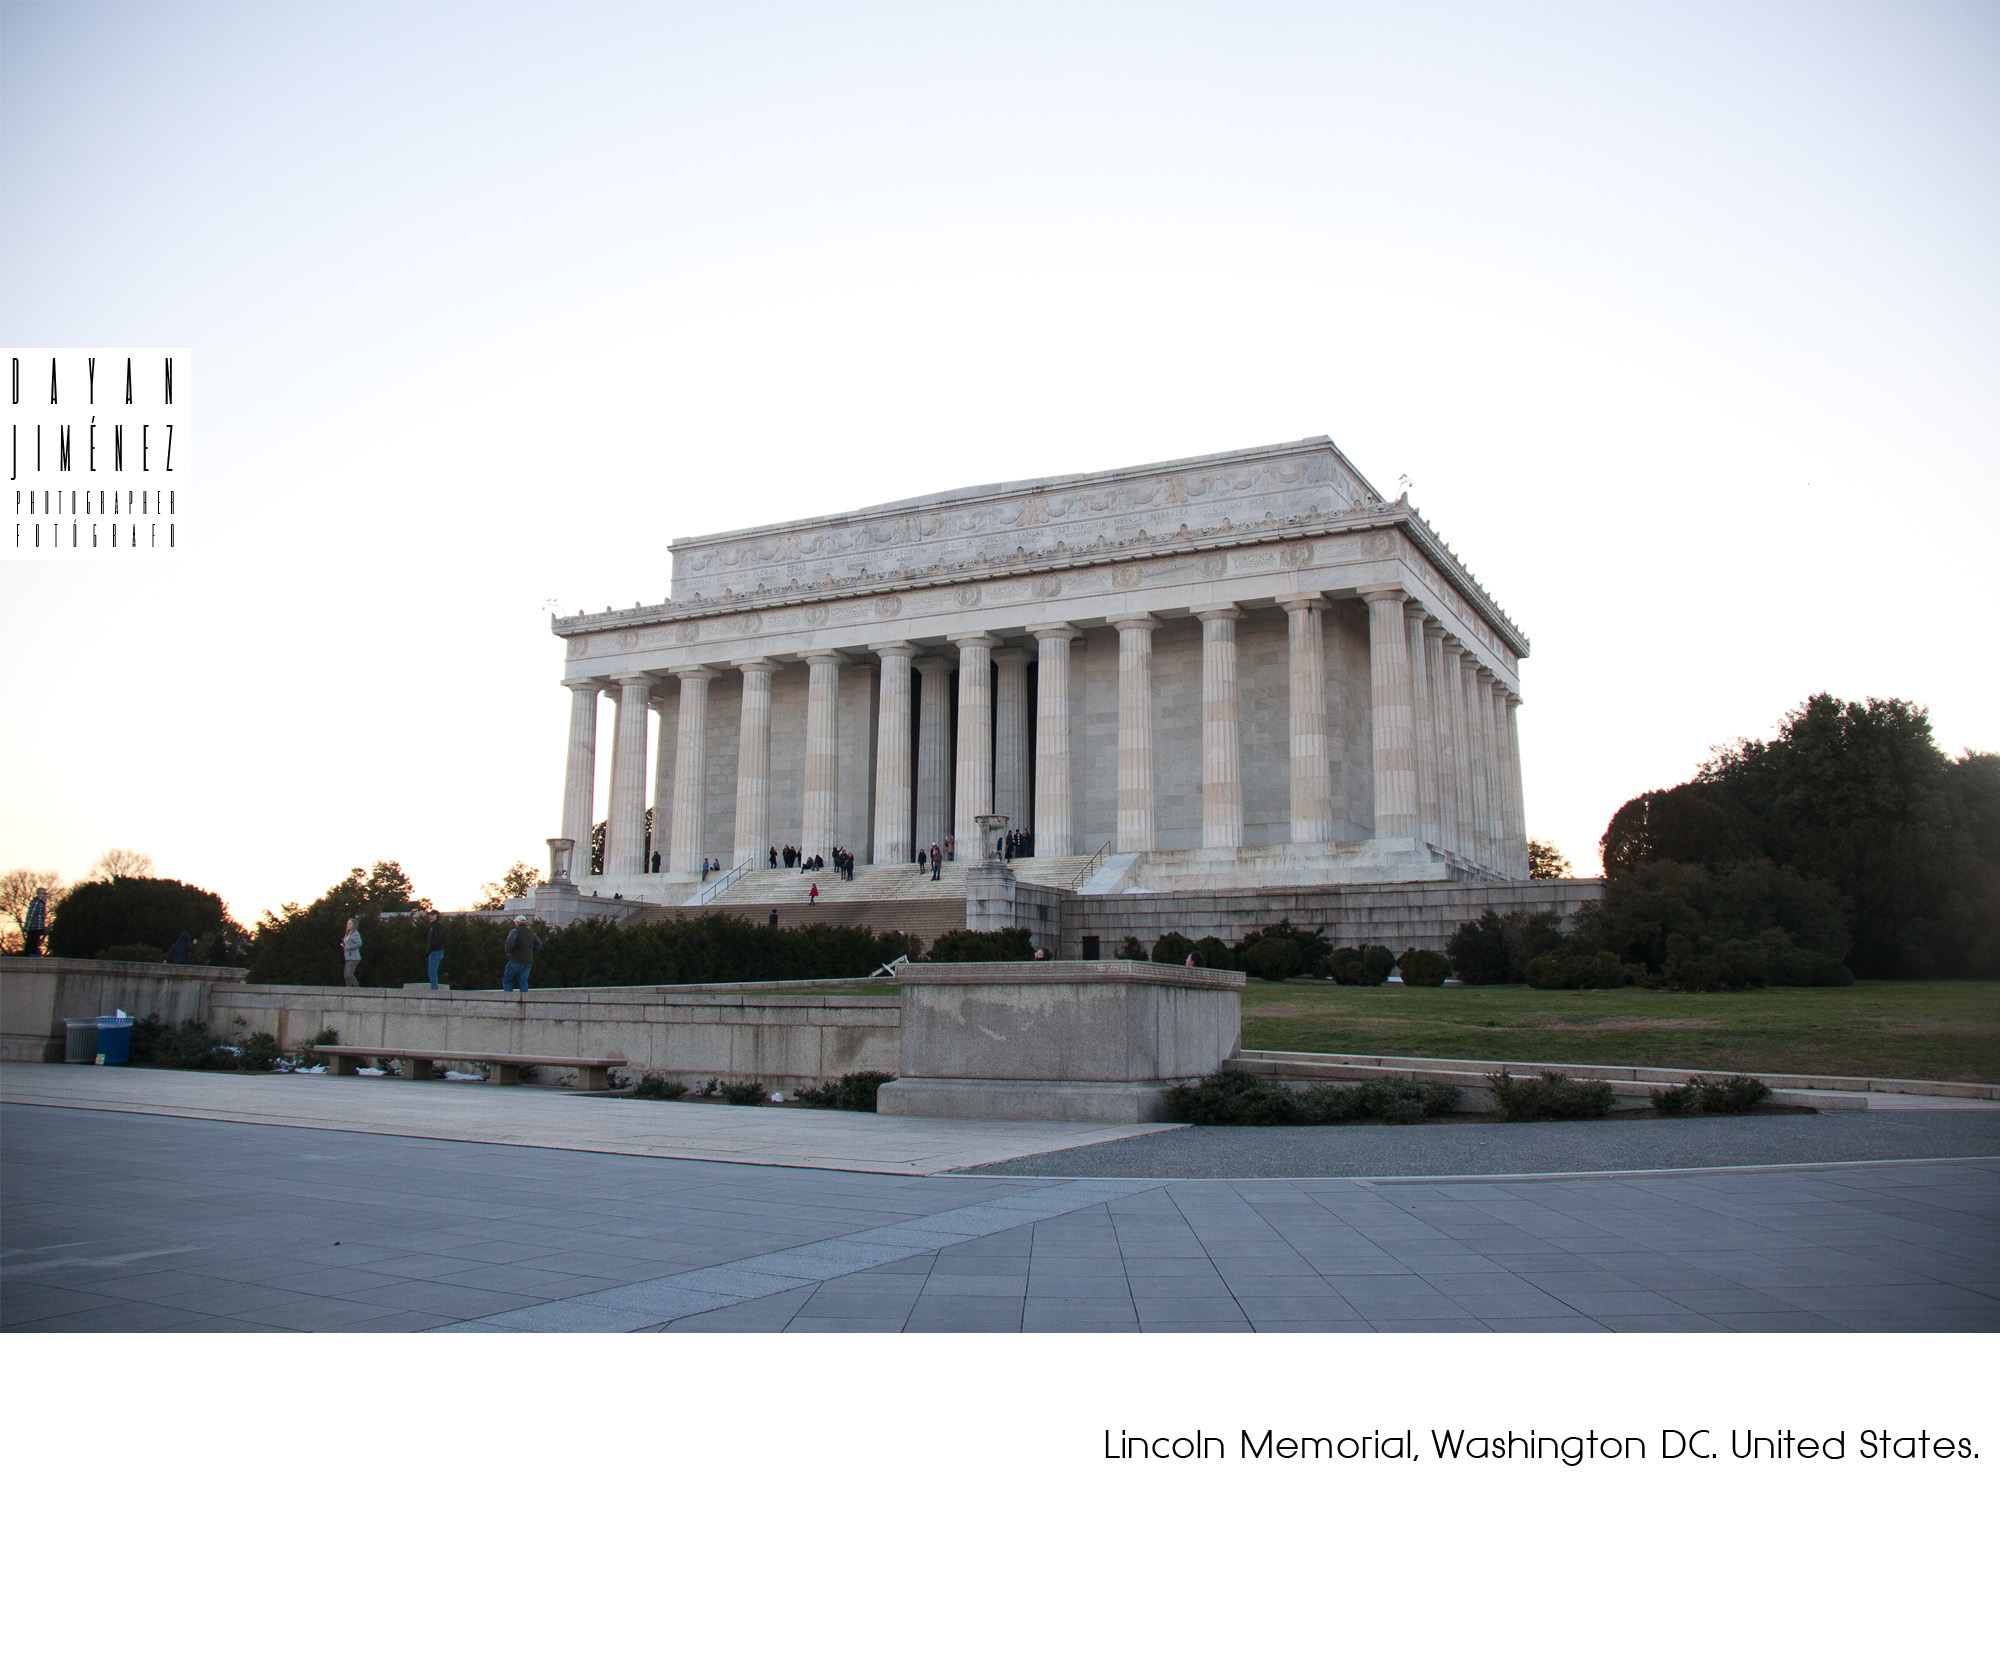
[1549,1096]
[1131,948]
[1237,1098]
[1172,949]
[134,953]
[1737,1095]
[855,1091]
[153,911]
[1273,959]
[979,947]
[1216,954]
[1421,968]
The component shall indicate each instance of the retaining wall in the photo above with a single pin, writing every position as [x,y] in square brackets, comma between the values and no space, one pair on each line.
[37,995]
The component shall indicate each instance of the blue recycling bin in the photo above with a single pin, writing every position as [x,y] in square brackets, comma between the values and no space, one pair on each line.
[114,1039]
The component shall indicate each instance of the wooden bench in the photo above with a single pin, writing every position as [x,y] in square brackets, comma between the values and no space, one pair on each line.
[504,1068]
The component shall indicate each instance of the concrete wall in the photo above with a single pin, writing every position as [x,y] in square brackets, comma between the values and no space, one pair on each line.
[781,1039]
[37,996]
[1398,916]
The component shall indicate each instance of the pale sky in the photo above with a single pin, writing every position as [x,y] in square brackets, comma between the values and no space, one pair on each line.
[1680,320]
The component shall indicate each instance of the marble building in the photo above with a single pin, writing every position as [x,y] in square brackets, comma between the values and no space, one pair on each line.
[1223,672]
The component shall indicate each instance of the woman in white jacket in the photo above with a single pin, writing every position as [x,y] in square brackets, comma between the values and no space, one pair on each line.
[350,954]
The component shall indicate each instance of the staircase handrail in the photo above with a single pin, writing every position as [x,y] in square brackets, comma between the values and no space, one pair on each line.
[1092,865]
[709,891]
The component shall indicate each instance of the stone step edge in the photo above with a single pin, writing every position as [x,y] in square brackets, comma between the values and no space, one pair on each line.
[1341,1065]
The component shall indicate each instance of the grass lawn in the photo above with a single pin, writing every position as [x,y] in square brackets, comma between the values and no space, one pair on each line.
[1915,1030]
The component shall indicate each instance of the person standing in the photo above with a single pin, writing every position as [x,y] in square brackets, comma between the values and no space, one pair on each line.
[774,918]
[434,948]
[812,896]
[183,946]
[521,945]
[36,925]
[218,950]
[350,954]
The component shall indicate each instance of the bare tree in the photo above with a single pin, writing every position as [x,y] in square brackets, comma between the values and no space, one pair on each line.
[17,889]
[121,863]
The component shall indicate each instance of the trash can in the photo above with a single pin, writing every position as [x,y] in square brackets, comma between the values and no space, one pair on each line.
[114,1039]
[80,1040]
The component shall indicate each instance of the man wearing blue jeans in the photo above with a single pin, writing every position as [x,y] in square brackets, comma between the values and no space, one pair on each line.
[521,945]
[434,947]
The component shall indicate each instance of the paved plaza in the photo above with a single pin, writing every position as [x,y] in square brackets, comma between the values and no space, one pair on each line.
[121,1221]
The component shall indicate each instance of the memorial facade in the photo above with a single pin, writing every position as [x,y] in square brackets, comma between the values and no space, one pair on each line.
[1228,671]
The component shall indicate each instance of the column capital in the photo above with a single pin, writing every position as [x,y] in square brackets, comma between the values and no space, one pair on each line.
[1433,629]
[638,679]
[1303,602]
[1376,594]
[1228,609]
[1134,622]
[1012,653]
[1415,608]
[1483,674]
[893,650]
[930,664]
[974,638]
[1452,644]
[584,684]
[824,655]
[747,665]
[697,673]
[1054,632]
[1513,698]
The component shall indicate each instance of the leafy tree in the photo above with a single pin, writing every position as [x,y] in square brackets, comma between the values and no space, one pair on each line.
[1857,794]
[1497,948]
[1546,861]
[112,912]
[518,880]
[302,944]
[121,863]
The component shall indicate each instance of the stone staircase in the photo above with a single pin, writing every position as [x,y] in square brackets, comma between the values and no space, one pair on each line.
[879,898]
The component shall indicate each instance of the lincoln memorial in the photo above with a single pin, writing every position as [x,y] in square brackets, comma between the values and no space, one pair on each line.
[1229,672]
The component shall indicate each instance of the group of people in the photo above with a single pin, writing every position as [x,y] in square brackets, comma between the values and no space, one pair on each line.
[935,858]
[520,949]
[1015,846]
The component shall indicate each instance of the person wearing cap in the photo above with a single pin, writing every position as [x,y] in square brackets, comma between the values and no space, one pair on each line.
[521,945]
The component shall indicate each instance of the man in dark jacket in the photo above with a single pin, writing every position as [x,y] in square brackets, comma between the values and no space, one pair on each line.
[218,950]
[434,948]
[36,925]
[521,945]
[183,946]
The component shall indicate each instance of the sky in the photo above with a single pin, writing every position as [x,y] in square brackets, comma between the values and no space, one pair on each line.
[1679,320]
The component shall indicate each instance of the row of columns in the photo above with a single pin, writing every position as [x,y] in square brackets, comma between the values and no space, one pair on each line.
[1445,742]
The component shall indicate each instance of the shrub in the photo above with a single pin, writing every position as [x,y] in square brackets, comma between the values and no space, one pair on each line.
[1422,968]
[1236,1098]
[856,1092]
[1496,948]
[1737,1095]
[1130,948]
[1172,949]
[1314,949]
[1802,968]
[1364,967]
[150,910]
[650,1085]
[1215,953]
[137,953]
[1549,1096]
[1577,967]
[978,947]
[742,1092]
[1273,959]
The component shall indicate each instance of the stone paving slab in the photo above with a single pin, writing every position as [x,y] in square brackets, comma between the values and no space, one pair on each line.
[148,1223]
[767,1134]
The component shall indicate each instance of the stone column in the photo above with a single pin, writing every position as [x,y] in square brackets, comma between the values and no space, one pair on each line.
[753,765]
[1517,807]
[1494,826]
[1389,684]
[974,796]
[1221,733]
[933,752]
[892,756]
[1055,829]
[625,834]
[818,816]
[1010,736]
[1137,821]
[580,773]
[1423,732]
[1475,750]
[1312,777]
[1442,694]
[690,824]
[1452,693]
[1511,852]
[666,706]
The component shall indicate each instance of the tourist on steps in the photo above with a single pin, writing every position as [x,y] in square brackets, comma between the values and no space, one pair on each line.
[812,896]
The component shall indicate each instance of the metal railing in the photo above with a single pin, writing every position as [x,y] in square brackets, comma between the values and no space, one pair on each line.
[1092,865]
[709,891]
